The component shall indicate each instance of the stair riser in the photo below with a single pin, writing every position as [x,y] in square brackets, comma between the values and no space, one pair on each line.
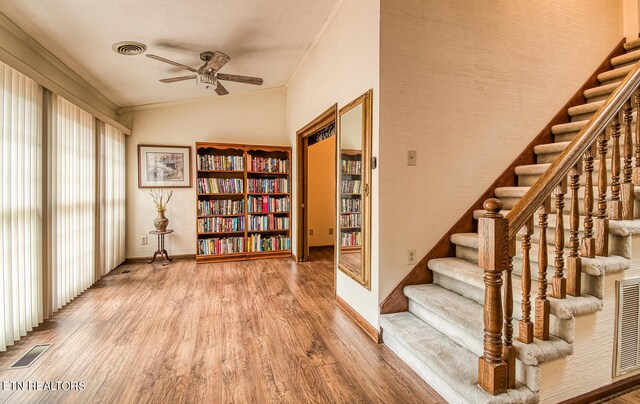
[547,158]
[563,328]
[528,178]
[471,340]
[590,285]
[510,202]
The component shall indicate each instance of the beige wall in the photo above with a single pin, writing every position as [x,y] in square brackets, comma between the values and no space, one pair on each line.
[343,65]
[254,118]
[322,191]
[468,84]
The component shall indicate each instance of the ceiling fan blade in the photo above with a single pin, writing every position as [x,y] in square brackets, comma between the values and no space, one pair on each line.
[181,78]
[171,62]
[221,90]
[218,60]
[240,79]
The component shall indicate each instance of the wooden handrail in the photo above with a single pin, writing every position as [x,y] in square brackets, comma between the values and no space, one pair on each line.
[559,169]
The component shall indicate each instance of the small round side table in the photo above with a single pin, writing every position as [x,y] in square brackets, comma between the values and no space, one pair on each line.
[161,249]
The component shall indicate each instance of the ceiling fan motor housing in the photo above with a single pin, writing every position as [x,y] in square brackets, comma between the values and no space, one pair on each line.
[206,81]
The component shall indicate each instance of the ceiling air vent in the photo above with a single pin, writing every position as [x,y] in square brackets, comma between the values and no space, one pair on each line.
[129,48]
[627,339]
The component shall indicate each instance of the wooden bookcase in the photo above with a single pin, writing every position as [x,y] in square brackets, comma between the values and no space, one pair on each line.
[243,202]
[350,202]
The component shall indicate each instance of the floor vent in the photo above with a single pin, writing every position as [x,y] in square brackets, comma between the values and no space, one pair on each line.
[627,339]
[31,356]
[126,270]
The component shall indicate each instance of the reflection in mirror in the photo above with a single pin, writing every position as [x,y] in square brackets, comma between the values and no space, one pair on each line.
[354,134]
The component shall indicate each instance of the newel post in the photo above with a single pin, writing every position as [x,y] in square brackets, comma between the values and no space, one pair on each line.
[493,248]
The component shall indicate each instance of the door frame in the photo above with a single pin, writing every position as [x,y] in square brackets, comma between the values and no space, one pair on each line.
[302,169]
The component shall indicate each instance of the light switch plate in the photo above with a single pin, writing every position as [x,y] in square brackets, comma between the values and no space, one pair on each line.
[412,157]
[144,240]
[311,232]
[331,231]
[412,258]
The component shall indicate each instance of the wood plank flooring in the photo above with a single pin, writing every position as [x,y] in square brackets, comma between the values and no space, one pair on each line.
[243,332]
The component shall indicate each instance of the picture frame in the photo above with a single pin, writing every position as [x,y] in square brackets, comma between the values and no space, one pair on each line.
[161,166]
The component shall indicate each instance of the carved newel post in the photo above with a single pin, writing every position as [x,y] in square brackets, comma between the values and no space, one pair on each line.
[492,257]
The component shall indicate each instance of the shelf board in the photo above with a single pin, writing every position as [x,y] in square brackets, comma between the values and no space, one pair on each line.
[359,175]
[220,255]
[269,251]
[206,216]
[350,228]
[268,231]
[351,194]
[269,213]
[221,171]
[266,193]
[266,173]
[233,194]
[220,232]
[350,213]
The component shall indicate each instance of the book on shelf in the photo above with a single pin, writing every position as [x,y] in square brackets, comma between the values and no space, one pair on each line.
[268,222]
[268,165]
[351,239]
[269,204]
[351,186]
[262,243]
[353,167]
[220,207]
[220,163]
[268,185]
[351,220]
[220,224]
[220,185]
[225,245]
[350,205]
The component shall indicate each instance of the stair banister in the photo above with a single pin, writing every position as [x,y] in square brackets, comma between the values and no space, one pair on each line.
[559,169]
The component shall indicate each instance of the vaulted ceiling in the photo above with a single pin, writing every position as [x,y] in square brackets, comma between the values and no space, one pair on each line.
[265,38]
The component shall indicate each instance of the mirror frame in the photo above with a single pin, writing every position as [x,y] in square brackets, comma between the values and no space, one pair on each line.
[366,100]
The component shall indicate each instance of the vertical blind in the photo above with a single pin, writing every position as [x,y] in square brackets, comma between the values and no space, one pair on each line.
[112,198]
[20,205]
[72,200]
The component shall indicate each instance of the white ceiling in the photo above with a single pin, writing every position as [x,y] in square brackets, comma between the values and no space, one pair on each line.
[265,38]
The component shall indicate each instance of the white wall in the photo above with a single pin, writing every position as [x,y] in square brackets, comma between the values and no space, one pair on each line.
[468,84]
[343,65]
[253,118]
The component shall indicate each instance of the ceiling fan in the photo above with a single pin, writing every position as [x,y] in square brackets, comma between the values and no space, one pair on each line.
[207,75]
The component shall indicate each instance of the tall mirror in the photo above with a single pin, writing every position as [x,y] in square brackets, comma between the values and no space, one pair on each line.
[354,190]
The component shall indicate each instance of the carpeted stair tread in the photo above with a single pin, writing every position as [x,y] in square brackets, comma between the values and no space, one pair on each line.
[435,356]
[593,266]
[568,127]
[615,73]
[540,168]
[601,90]
[558,147]
[585,108]
[628,57]
[632,44]
[471,274]
[468,315]
[519,192]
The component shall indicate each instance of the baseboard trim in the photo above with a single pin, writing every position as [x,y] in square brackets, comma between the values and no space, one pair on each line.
[605,391]
[355,316]
[137,260]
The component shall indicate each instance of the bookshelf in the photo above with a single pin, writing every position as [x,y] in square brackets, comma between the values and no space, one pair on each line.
[243,202]
[350,200]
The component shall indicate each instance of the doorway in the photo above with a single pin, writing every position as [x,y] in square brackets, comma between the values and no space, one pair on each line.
[305,141]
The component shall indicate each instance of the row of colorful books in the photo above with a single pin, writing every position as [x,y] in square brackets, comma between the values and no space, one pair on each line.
[268,222]
[350,239]
[225,245]
[349,205]
[220,224]
[220,163]
[268,185]
[351,220]
[268,165]
[351,186]
[220,185]
[352,167]
[266,203]
[220,207]
[260,242]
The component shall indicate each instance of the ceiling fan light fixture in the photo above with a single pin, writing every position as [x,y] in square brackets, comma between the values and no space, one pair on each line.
[206,81]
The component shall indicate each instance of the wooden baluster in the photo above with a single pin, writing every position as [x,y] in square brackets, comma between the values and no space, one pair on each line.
[627,170]
[636,170]
[508,350]
[615,205]
[493,233]
[559,283]
[574,264]
[601,223]
[525,326]
[541,325]
[588,242]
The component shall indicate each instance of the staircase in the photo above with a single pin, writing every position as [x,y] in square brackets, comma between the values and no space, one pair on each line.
[441,334]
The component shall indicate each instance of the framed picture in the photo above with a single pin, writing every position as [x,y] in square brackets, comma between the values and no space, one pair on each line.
[164,166]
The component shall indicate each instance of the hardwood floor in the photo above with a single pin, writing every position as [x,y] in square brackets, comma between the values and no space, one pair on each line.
[254,331]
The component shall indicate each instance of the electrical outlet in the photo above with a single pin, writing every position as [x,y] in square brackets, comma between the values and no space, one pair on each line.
[311,232]
[144,240]
[412,258]
[412,158]
[331,231]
